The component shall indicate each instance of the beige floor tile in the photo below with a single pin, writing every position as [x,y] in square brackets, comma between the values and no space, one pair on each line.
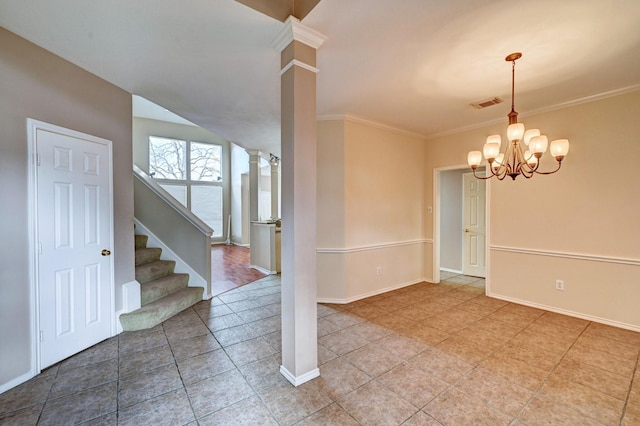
[249,351]
[402,346]
[224,321]
[249,411]
[518,372]
[454,407]
[414,313]
[344,319]
[421,419]
[577,324]
[429,335]
[289,404]
[596,378]
[81,378]
[370,331]
[530,354]
[136,388]
[468,351]
[267,325]
[373,404]
[168,409]
[326,327]
[329,416]
[232,335]
[554,331]
[540,341]
[132,341]
[203,366]
[589,402]
[476,308]
[214,393]
[343,341]
[497,327]
[489,302]
[373,360]
[148,359]
[81,406]
[192,347]
[101,352]
[33,392]
[325,355]
[339,377]
[367,311]
[511,318]
[23,416]
[620,334]
[441,364]
[541,411]
[606,361]
[631,416]
[495,391]
[413,384]
[612,346]
[523,311]
[264,374]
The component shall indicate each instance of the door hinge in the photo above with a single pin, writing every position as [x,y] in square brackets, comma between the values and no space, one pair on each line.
[42,336]
[37,159]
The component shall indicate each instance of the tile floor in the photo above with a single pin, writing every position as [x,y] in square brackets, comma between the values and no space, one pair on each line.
[422,355]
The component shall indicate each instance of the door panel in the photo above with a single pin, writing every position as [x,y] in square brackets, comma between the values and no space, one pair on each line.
[474,263]
[75,289]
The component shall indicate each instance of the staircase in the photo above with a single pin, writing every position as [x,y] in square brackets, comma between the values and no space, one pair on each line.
[163,293]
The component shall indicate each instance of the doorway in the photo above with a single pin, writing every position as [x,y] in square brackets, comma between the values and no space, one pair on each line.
[457,252]
[72,238]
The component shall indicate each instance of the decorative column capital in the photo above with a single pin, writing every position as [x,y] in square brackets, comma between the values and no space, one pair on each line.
[294,30]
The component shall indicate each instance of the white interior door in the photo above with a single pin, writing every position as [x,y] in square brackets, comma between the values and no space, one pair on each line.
[74,237]
[474,260]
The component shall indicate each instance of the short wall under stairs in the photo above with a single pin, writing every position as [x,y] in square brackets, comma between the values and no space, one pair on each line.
[163,293]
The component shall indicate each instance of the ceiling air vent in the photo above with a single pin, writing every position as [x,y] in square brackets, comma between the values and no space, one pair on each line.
[487,103]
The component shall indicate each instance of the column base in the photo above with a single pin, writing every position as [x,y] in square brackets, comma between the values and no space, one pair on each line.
[297,381]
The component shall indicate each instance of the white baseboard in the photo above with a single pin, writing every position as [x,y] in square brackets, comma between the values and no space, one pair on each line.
[18,380]
[454,271]
[567,312]
[263,270]
[297,381]
[368,294]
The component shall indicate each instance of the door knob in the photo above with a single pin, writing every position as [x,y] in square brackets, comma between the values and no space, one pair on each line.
[467,230]
[105,252]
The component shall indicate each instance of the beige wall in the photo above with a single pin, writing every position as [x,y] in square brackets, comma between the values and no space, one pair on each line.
[37,84]
[370,210]
[576,225]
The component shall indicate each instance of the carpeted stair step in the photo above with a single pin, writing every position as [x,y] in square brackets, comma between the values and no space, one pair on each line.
[161,287]
[154,270]
[147,255]
[141,241]
[160,310]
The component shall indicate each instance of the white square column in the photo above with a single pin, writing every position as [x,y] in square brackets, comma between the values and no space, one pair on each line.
[298,45]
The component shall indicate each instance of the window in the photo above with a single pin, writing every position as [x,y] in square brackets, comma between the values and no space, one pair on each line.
[192,173]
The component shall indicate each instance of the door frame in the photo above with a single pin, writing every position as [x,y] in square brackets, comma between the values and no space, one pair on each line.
[34,280]
[437,207]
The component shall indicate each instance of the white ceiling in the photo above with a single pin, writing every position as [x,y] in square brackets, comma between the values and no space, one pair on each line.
[411,64]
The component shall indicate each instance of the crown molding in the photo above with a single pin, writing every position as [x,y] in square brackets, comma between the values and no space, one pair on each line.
[301,65]
[550,108]
[294,30]
[370,123]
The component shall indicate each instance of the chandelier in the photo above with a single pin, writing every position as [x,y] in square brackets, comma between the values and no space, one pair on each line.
[516,158]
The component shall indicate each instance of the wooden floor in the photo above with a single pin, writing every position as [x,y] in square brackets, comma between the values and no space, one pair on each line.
[230,268]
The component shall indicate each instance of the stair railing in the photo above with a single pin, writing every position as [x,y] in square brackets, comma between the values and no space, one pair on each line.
[181,231]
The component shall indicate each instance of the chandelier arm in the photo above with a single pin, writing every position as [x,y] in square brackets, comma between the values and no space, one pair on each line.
[482,177]
[551,172]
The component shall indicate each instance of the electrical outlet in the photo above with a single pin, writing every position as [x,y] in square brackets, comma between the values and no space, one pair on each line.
[559,285]
[379,270]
